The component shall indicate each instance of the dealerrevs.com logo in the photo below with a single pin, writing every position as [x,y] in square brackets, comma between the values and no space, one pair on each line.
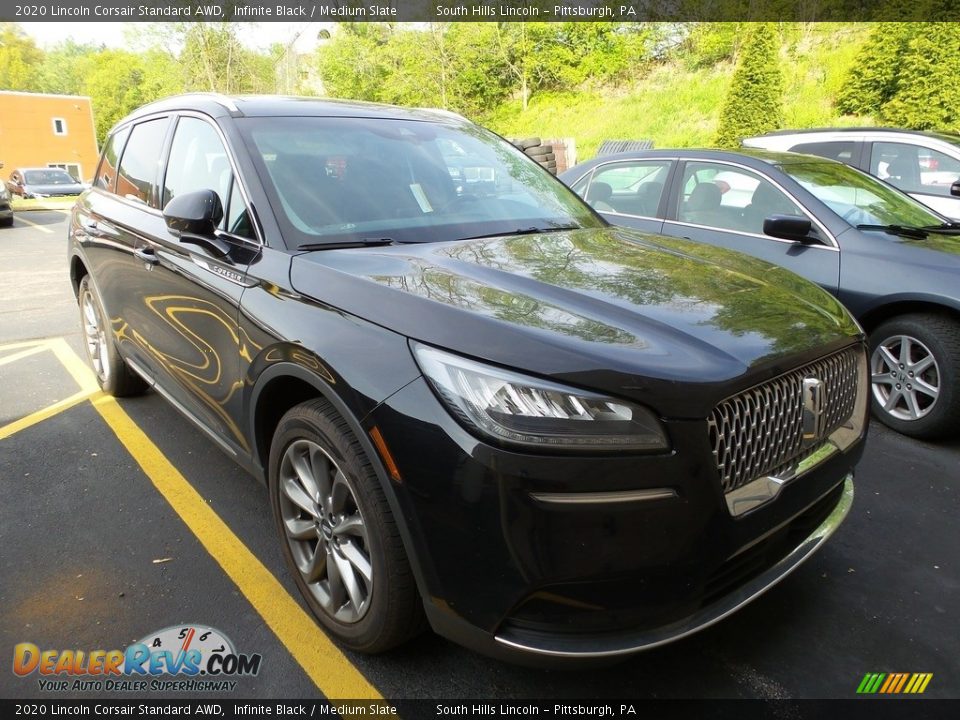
[188,658]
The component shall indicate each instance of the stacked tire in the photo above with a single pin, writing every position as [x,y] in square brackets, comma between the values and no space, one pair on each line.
[536,150]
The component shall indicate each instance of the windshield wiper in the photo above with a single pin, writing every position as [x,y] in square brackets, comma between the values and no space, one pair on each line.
[947,228]
[346,244]
[525,231]
[905,230]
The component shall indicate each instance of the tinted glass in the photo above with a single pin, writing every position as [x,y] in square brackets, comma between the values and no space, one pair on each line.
[198,161]
[238,218]
[730,198]
[343,179]
[107,172]
[630,188]
[141,159]
[858,198]
[914,169]
[841,150]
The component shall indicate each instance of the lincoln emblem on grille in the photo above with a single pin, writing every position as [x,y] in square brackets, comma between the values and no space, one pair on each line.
[814,406]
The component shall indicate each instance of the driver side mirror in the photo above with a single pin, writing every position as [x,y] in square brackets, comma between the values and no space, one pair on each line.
[788,227]
[194,216]
[955,189]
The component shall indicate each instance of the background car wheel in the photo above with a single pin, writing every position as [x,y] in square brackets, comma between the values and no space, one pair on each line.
[915,368]
[113,375]
[339,537]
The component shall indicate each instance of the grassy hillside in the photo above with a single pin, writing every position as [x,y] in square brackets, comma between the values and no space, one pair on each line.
[677,106]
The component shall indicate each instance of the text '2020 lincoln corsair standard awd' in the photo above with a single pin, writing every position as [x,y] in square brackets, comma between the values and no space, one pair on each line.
[472,400]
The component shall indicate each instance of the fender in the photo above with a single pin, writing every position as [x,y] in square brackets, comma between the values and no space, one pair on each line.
[326,390]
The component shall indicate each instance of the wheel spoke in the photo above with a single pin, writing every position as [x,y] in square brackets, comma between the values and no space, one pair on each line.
[888,357]
[882,378]
[349,577]
[891,402]
[922,365]
[298,529]
[320,464]
[351,525]
[905,346]
[314,569]
[298,496]
[305,473]
[357,559]
[335,583]
[912,407]
[925,387]
[339,493]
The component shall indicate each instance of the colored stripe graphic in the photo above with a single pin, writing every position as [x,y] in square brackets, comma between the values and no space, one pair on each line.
[894,683]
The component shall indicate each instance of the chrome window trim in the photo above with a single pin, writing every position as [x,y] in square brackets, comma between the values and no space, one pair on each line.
[829,236]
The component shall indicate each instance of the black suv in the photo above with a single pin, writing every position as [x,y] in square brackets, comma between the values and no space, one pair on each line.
[473,403]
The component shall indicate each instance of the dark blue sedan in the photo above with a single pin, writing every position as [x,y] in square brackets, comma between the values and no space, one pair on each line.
[893,262]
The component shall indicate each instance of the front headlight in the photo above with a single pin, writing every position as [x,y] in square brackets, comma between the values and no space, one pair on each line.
[526,411]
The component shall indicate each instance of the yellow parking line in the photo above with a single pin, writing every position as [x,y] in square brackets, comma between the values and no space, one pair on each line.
[41,228]
[323,662]
[47,412]
[13,357]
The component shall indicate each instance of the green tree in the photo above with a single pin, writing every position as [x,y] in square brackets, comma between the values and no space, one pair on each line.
[927,94]
[754,102]
[19,58]
[873,78]
[61,71]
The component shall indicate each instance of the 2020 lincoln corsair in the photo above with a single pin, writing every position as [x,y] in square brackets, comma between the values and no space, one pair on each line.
[472,402]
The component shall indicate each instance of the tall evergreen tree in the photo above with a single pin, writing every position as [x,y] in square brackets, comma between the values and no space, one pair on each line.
[754,102]
[928,92]
[872,80]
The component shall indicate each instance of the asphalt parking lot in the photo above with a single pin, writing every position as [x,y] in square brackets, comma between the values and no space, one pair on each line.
[118,519]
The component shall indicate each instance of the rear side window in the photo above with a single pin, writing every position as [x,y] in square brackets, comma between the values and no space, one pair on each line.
[140,161]
[838,150]
[107,172]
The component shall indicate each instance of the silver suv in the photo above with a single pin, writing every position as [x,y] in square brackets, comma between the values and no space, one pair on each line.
[924,164]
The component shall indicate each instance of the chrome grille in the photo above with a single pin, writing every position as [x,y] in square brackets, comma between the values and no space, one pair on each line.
[759,432]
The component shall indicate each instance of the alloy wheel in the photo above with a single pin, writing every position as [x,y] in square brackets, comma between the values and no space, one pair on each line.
[905,377]
[325,531]
[96,337]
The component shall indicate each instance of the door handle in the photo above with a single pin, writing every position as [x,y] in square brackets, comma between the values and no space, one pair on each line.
[147,255]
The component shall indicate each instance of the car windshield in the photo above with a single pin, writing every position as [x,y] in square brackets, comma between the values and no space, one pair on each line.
[341,180]
[859,198]
[48,177]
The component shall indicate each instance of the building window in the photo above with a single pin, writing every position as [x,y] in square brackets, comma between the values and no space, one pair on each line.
[72,168]
[59,126]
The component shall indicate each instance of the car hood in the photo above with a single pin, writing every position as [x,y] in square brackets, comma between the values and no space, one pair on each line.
[606,308]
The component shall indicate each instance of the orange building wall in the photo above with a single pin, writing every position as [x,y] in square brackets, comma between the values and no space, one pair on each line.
[27,136]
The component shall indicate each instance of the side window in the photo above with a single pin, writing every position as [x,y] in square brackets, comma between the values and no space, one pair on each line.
[140,161]
[842,150]
[630,188]
[730,198]
[107,172]
[198,161]
[913,168]
[580,186]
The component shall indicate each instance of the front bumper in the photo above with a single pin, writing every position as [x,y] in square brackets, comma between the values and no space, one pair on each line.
[626,642]
[532,557]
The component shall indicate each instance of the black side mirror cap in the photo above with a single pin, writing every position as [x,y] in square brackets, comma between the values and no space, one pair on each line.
[955,189]
[788,227]
[197,213]
[193,217]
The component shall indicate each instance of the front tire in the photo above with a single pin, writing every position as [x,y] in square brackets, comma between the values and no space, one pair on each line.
[113,375]
[340,539]
[915,371]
